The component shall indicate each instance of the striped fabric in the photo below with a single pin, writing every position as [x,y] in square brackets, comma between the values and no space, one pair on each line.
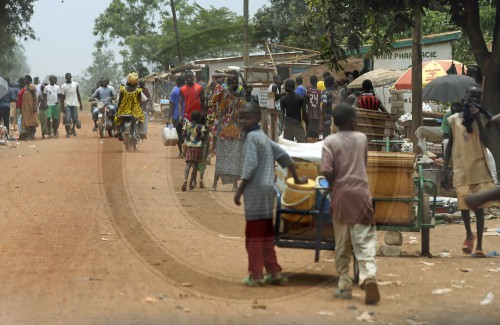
[368,101]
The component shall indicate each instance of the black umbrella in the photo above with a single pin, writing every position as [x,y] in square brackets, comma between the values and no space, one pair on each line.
[448,88]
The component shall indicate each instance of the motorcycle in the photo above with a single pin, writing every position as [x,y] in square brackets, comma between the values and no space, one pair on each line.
[105,120]
[130,129]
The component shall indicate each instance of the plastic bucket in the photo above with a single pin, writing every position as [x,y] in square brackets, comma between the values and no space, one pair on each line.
[299,197]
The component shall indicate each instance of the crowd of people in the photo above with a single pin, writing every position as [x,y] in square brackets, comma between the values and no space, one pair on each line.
[30,104]
[223,118]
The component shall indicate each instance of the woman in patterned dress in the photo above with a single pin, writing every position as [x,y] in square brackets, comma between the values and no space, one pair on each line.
[228,138]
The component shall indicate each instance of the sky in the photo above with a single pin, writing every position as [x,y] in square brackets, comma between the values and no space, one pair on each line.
[64,31]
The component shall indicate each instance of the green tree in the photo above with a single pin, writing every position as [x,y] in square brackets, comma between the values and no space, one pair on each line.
[144,32]
[133,25]
[103,66]
[378,23]
[17,64]
[435,22]
[204,33]
[284,22]
[14,23]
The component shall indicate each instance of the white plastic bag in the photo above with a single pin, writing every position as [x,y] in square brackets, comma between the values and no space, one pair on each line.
[169,136]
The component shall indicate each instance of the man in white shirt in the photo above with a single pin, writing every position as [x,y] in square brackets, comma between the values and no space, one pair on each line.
[38,86]
[52,92]
[71,100]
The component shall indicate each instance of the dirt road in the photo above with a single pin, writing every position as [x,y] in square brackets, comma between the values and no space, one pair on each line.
[94,235]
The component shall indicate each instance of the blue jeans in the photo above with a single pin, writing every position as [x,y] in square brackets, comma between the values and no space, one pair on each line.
[70,114]
[95,112]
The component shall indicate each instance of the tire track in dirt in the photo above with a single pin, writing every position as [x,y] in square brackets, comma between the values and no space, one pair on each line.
[147,249]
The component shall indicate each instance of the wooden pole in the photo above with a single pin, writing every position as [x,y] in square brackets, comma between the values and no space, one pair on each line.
[176,30]
[416,78]
[246,36]
[417,120]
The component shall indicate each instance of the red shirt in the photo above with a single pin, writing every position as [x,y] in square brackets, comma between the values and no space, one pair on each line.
[368,101]
[192,99]
[20,95]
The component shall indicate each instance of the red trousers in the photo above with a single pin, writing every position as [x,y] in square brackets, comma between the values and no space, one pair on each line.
[260,248]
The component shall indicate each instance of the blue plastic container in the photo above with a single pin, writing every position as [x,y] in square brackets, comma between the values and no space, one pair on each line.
[323,185]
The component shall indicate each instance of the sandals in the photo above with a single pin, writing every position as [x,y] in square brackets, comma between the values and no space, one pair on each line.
[253,282]
[343,293]
[276,279]
[184,187]
[478,253]
[468,245]
[372,295]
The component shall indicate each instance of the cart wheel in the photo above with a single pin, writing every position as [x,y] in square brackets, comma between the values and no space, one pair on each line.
[355,268]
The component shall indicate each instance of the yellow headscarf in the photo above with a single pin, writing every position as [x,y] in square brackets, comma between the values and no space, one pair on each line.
[132,78]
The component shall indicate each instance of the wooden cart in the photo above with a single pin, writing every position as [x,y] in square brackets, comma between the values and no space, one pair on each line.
[401,203]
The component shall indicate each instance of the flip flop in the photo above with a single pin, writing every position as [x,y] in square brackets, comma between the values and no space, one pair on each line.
[468,245]
[478,253]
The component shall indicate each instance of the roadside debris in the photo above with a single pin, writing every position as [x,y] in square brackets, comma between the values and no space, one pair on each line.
[488,299]
[326,313]
[441,291]
[366,317]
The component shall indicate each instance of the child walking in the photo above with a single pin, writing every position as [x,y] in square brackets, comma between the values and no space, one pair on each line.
[194,132]
[476,200]
[257,185]
[471,174]
[343,163]
[205,144]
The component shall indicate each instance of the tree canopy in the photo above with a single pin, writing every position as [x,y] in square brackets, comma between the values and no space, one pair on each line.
[144,32]
[14,23]
[284,22]
[103,66]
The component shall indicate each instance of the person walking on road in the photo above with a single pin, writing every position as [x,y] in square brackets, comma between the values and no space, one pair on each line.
[195,133]
[42,111]
[343,163]
[257,186]
[476,200]
[177,111]
[5,106]
[293,107]
[29,111]
[71,101]
[52,93]
[471,174]
[313,102]
[192,96]
[228,137]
